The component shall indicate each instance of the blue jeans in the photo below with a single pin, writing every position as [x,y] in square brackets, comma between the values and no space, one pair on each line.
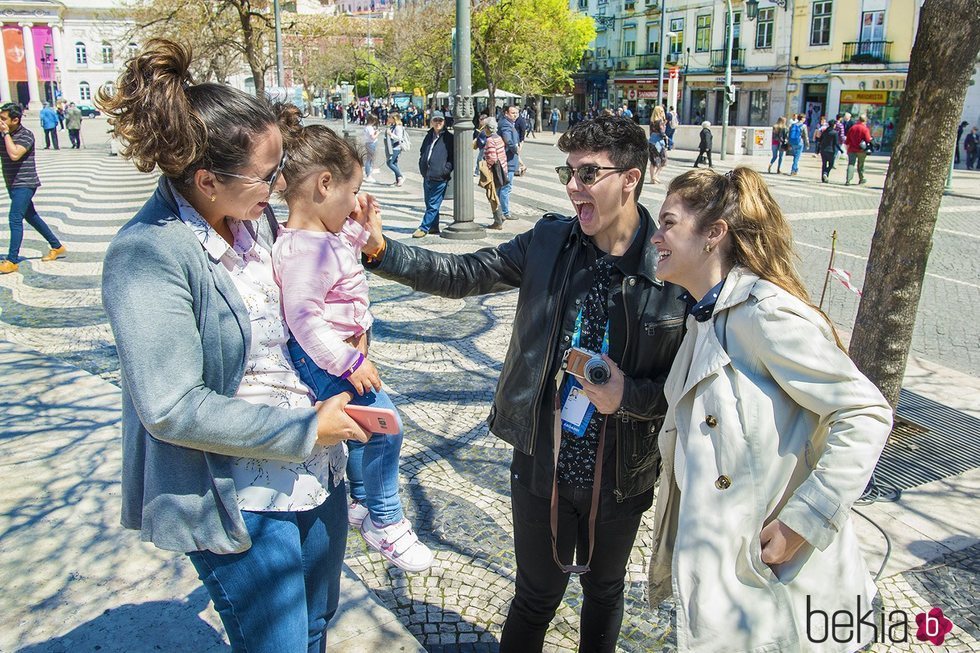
[280,594]
[777,151]
[433,191]
[22,208]
[372,467]
[503,194]
[797,152]
[392,162]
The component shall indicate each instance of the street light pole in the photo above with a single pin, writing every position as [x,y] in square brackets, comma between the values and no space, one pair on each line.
[463,226]
[280,69]
[728,78]
[663,39]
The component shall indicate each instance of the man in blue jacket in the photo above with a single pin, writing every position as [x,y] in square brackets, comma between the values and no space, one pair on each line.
[512,141]
[49,122]
[436,166]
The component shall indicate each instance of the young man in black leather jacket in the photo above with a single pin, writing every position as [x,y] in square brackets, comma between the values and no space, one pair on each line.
[586,281]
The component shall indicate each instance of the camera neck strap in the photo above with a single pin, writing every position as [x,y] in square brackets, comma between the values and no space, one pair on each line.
[594,508]
[577,333]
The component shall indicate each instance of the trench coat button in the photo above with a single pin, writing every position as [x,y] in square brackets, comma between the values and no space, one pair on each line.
[723,482]
[711,421]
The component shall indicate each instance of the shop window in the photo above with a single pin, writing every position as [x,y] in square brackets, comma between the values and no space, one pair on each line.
[763,29]
[702,38]
[81,54]
[84,91]
[758,107]
[820,25]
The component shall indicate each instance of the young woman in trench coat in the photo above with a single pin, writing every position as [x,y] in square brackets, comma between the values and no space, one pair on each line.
[771,435]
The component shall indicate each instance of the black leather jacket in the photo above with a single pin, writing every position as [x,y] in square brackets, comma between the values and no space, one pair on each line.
[646,329]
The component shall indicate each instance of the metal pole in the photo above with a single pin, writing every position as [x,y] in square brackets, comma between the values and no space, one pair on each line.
[463,226]
[280,69]
[728,78]
[663,34]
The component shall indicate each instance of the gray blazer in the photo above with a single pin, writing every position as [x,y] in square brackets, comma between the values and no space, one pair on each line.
[182,334]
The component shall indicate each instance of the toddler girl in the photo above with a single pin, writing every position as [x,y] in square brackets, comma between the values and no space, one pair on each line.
[317,262]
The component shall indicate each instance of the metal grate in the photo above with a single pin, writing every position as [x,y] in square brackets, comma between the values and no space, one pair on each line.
[934,442]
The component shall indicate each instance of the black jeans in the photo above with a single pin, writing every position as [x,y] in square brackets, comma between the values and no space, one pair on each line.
[76,141]
[827,158]
[702,154]
[541,584]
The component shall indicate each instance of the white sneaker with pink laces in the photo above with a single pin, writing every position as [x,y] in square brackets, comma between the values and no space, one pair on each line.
[399,544]
[356,512]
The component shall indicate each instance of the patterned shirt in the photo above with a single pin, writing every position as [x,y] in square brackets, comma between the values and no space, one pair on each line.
[267,485]
[577,455]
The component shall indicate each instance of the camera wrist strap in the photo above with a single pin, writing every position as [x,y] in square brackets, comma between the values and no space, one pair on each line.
[593,509]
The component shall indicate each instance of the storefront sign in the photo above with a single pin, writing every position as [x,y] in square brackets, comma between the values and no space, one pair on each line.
[864,97]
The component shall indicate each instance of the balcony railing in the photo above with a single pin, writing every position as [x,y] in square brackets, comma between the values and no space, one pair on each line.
[867,51]
[718,58]
[648,62]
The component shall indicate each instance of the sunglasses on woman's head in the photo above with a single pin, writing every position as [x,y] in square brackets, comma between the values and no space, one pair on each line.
[270,180]
[586,174]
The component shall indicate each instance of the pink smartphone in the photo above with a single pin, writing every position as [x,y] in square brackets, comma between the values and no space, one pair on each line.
[375,420]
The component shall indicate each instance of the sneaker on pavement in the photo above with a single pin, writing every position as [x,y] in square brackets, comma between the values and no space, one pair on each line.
[55,253]
[419,234]
[400,182]
[356,512]
[6,267]
[399,544]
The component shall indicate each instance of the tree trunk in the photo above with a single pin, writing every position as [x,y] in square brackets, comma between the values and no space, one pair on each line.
[942,62]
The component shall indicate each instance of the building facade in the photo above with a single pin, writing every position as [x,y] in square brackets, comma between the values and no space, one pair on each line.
[56,50]
[853,56]
[813,57]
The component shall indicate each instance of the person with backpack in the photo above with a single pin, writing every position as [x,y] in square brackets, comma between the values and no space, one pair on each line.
[780,143]
[798,141]
[555,118]
[827,146]
[858,145]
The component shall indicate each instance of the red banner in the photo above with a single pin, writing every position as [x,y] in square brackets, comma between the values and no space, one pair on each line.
[13,45]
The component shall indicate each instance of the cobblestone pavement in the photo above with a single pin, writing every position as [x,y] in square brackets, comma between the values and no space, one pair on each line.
[440,360]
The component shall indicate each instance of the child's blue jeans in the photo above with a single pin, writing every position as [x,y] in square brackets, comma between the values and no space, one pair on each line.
[372,467]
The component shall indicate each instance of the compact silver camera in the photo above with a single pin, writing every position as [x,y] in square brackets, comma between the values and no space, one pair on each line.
[586,365]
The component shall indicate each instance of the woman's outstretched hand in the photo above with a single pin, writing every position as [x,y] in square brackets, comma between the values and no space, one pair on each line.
[334,424]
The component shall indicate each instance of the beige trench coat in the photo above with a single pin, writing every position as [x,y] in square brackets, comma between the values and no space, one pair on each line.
[775,421]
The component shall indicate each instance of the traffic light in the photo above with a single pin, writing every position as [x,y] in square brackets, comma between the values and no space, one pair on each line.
[730,94]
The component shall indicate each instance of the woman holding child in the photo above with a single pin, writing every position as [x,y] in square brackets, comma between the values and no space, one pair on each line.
[225,456]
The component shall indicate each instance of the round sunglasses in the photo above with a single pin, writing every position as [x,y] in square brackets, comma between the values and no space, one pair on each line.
[586,174]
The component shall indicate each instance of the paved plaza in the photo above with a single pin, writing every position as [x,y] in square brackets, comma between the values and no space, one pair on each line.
[74,580]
